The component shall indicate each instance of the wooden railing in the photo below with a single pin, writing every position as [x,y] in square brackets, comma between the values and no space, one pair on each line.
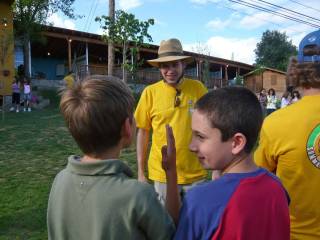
[143,76]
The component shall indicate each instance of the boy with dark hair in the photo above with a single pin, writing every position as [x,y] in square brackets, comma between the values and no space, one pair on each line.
[95,197]
[246,202]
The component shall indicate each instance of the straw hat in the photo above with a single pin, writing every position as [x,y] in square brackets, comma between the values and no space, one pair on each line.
[169,51]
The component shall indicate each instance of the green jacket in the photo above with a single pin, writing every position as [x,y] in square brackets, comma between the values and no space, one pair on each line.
[100,200]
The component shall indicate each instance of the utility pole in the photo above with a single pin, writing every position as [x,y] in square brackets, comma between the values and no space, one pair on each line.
[110,44]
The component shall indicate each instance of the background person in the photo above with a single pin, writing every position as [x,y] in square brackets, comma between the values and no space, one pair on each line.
[27,95]
[69,79]
[262,97]
[290,142]
[295,96]
[169,101]
[15,96]
[286,99]
[271,101]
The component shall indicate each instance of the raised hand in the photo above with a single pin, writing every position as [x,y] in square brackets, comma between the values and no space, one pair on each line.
[169,152]
[169,166]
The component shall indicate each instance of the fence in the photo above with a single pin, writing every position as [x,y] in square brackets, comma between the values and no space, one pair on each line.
[143,76]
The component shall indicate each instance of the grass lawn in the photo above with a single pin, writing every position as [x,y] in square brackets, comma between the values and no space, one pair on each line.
[34,147]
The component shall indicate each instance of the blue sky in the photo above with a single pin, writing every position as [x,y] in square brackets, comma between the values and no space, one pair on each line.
[218,28]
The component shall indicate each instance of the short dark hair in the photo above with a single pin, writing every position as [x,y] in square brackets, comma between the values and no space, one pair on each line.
[95,110]
[233,110]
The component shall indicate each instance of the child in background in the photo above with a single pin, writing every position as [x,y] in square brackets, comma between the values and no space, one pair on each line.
[262,97]
[295,96]
[271,101]
[27,95]
[286,99]
[246,202]
[15,95]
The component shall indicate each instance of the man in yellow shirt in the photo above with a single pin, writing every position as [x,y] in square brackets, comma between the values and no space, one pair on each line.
[290,142]
[169,101]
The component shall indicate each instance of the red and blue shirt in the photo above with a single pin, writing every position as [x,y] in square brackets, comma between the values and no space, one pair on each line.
[247,206]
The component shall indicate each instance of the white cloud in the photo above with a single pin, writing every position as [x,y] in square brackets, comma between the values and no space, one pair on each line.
[260,19]
[129,4]
[203,2]
[218,24]
[253,19]
[241,49]
[58,21]
[299,34]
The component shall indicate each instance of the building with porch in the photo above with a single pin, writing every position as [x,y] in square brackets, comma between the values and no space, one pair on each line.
[86,53]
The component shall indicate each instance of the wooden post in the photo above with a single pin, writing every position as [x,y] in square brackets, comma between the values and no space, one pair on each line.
[197,69]
[69,54]
[226,74]
[87,59]
[110,43]
[220,76]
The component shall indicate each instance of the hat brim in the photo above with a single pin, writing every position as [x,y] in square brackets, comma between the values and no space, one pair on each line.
[158,61]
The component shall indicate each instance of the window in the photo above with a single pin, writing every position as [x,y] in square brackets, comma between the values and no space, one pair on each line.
[273,79]
[60,71]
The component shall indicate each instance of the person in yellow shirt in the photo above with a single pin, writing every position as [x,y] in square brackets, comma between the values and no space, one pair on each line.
[69,80]
[290,142]
[169,101]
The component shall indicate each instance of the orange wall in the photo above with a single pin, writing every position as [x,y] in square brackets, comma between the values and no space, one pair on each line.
[6,41]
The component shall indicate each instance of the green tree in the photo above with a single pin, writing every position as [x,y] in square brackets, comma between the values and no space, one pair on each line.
[239,80]
[125,29]
[28,17]
[274,50]
[134,64]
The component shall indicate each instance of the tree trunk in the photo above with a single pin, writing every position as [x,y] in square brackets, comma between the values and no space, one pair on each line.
[110,44]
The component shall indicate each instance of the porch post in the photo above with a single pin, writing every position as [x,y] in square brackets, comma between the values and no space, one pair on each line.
[69,54]
[197,68]
[226,73]
[87,58]
[220,76]
[29,44]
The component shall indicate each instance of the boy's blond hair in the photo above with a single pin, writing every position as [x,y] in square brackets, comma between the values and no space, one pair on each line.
[95,111]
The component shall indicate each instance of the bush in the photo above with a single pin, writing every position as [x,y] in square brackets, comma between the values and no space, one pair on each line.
[52,95]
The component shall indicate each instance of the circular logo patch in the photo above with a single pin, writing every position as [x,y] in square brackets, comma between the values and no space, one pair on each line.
[313,147]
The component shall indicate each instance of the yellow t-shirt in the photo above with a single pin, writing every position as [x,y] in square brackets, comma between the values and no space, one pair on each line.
[69,80]
[290,147]
[156,109]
